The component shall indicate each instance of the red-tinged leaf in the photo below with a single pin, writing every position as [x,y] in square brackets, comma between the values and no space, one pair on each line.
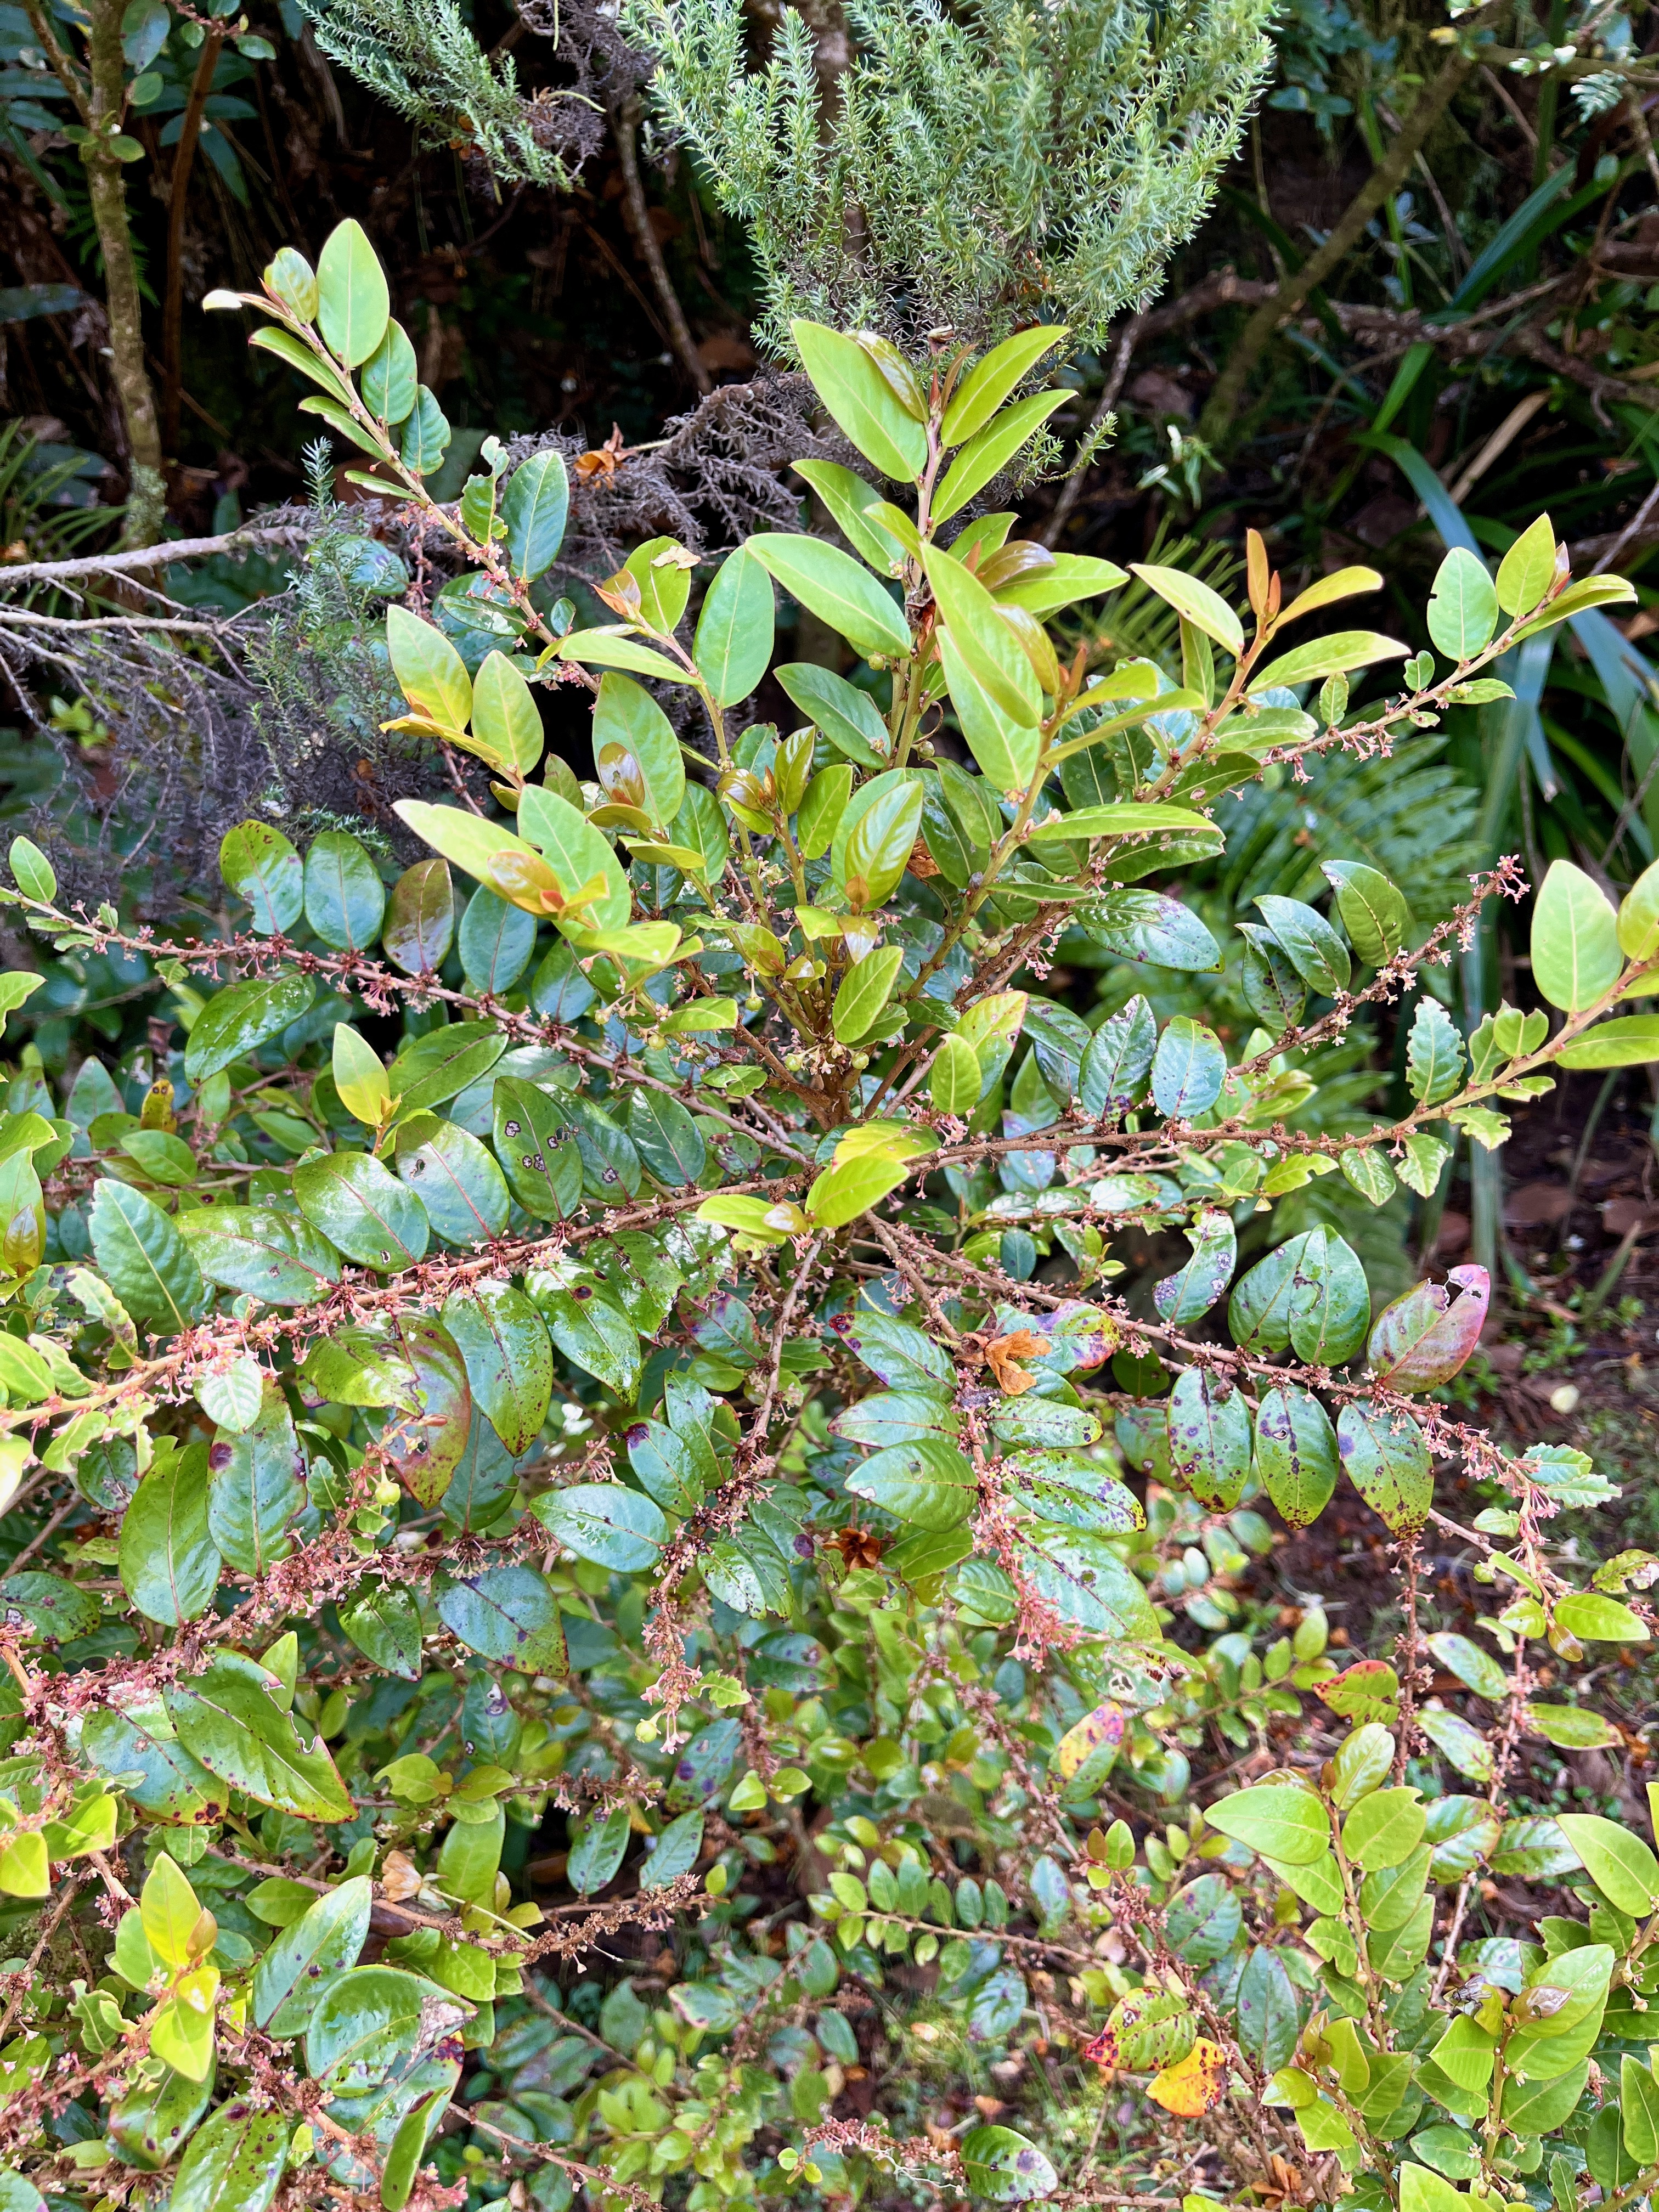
[1425,1337]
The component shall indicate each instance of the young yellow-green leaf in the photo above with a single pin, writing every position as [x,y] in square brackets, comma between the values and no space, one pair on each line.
[615,646]
[1374,912]
[842,1194]
[430,673]
[1632,1042]
[955,1082]
[506,728]
[1639,916]
[1577,599]
[1197,604]
[875,838]
[1528,570]
[359,1076]
[1341,584]
[852,502]
[733,640]
[1619,1863]
[1384,1829]
[1277,1818]
[1122,821]
[354,303]
[1336,655]
[626,714]
[261,866]
[864,990]
[170,1912]
[1576,957]
[862,401]
[983,390]
[832,586]
[1006,749]
[983,639]
[991,449]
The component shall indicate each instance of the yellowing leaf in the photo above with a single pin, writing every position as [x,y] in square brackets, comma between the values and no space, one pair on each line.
[1190,2089]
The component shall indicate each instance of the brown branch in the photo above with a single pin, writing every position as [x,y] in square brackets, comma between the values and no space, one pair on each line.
[624,129]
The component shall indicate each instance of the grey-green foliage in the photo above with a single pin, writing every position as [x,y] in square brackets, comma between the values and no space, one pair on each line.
[978,170]
[422,58]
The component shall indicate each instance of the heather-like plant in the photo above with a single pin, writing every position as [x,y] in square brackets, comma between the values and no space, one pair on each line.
[686,1386]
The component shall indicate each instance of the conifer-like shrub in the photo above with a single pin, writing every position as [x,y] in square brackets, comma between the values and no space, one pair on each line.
[611,1586]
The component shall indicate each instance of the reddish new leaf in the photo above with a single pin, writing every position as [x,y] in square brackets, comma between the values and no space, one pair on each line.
[1423,1338]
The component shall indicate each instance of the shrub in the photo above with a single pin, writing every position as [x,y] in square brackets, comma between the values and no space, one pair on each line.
[632,1417]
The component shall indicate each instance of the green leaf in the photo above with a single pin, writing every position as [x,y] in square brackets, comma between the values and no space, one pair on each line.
[426,1438]
[1384,1829]
[1114,1068]
[261,866]
[667,1138]
[408,2147]
[597,1335]
[1374,912]
[862,401]
[1187,1069]
[864,990]
[430,672]
[1619,1863]
[363,1210]
[954,1081]
[1296,1455]
[169,1563]
[875,837]
[143,1258]
[535,1141]
[1576,959]
[1597,1620]
[418,930]
[1571,1728]
[1197,604]
[1007,750]
[1309,943]
[1209,1433]
[1370,1174]
[847,716]
[1001,2165]
[235,2162]
[506,728]
[1090,822]
[1434,1053]
[927,1483]
[855,504]
[425,433]
[390,377]
[1336,655]
[420,919]
[385,1624]
[32,872]
[1463,608]
[626,714]
[614,647]
[577,851]
[494,940]
[733,640]
[1385,1457]
[345,899]
[842,1194]
[507,1614]
[228,1718]
[326,1939]
[831,584]
[1188,1296]
[508,1357]
[276,1257]
[1146,926]
[1632,1042]
[597,1847]
[256,1488]
[981,390]
[991,449]
[534,507]
[603,1521]
[1528,570]
[369,2022]
[1277,1819]
[982,639]
[236,1021]
[354,303]
[1638,2106]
